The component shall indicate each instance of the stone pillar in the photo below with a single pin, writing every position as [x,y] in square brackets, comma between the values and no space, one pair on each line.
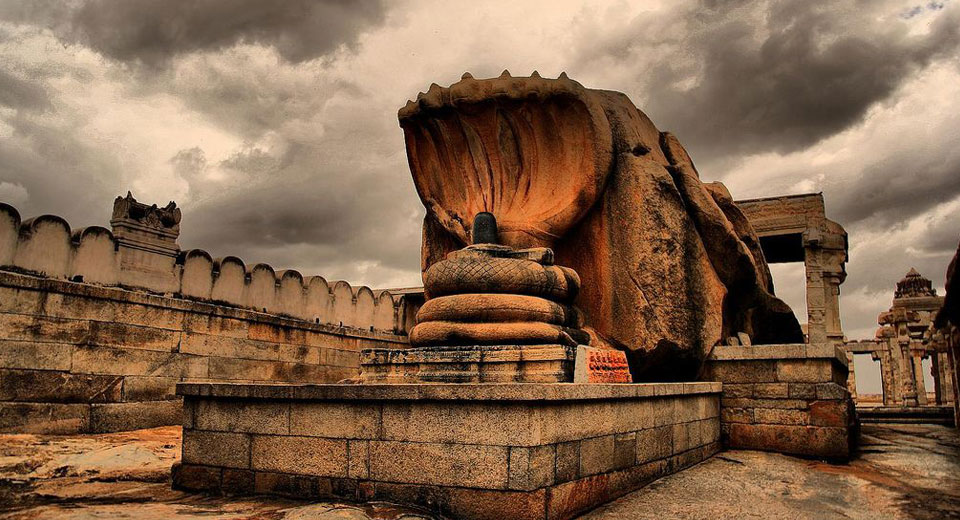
[921,387]
[937,362]
[824,257]
[833,275]
[906,379]
[147,244]
[944,378]
[886,377]
[851,376]
[816,293]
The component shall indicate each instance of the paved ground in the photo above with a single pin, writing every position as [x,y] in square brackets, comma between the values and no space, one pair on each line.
[906,471]
[903,471]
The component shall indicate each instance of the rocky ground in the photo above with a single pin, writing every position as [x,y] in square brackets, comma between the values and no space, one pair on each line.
[903,471]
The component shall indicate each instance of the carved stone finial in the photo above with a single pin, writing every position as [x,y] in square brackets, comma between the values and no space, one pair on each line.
[466,75]
[127,208]
[505,74]
[914,285]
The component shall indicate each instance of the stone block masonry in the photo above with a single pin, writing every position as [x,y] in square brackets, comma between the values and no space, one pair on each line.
[785,398]
[469,451]
[76,357]
[97,326]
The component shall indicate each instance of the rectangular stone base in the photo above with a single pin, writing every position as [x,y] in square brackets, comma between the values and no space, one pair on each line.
[785,398]
[469,364]
[469,451]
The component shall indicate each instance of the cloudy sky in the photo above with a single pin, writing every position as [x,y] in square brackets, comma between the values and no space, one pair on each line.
[273,124]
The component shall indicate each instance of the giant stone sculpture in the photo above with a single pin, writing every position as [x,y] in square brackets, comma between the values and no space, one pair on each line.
[668,265]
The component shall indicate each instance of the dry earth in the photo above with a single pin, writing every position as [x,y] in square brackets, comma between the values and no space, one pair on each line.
[902,472]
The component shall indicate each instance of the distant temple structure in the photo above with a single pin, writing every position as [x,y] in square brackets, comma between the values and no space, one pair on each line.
[905,338]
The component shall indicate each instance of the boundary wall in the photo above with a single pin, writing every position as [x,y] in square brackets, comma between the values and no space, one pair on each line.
[97,326]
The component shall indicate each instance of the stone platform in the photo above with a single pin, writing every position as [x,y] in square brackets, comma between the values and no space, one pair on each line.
[906,414]
[785,398]
[471,451]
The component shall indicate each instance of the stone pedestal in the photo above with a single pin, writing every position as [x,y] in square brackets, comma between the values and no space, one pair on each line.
[466,451]
[472,364]
[785,398]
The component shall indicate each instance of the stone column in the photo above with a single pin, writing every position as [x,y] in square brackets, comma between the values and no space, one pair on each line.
[851,376]
[833,275]
[816,287]
[921,388]
[824,257]
[906,378]
[944,373]
[886,377]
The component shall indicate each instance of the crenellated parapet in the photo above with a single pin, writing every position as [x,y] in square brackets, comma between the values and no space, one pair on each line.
[141,253]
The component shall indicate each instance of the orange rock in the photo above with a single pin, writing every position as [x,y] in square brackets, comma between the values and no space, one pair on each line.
[668,264]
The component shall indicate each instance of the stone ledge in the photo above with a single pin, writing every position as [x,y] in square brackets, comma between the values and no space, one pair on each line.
[779,352]
[73,418]
[446,391]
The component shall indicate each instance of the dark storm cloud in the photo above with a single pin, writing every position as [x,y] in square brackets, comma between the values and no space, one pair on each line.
[943,237]
[62,173]
[734,78]
[299,162]
[351,218]
[153,31]
[897,188]
[252,161]
[20,94]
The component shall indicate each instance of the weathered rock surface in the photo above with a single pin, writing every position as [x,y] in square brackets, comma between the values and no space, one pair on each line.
[669,266]
[127,476]
[904,471]
[950,312]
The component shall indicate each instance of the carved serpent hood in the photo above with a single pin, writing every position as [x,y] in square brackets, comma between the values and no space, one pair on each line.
[534,152]
[670,266]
